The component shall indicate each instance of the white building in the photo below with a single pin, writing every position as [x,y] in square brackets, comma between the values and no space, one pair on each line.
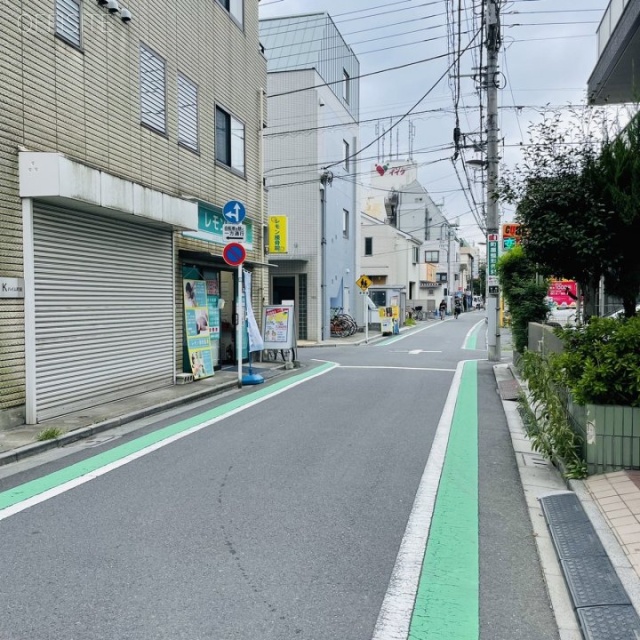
[396,197]
[309,169]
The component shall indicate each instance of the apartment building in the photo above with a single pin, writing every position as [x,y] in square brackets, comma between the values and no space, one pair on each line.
[311,166]
[616,75]
[124,129]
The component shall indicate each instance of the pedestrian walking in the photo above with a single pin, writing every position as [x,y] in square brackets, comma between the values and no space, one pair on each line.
[457,308]
[443,309]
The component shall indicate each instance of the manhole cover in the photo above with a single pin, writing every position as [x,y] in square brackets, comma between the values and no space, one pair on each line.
[509,389]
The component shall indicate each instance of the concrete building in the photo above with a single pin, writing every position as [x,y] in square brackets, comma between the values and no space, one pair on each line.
[122,133]
[616,76]
[396,196]
[309,169]
[391,260]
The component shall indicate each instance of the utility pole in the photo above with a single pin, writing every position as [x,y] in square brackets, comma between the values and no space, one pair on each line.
[492,21]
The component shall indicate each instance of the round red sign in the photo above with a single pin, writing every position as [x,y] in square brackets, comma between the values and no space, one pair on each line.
[234,254]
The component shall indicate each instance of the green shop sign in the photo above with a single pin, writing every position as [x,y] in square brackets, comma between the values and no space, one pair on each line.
[210,222]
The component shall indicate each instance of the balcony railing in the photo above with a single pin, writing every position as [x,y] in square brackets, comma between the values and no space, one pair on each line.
[609,21]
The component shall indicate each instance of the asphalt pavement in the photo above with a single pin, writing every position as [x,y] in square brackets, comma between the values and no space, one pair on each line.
[612,501]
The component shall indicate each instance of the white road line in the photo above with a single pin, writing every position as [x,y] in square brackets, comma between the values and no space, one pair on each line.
[469,333]
[355,366]
[394,339]
[71,484]
[397,608]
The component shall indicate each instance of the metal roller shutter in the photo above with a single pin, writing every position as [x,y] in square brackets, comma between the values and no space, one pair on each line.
[104,309]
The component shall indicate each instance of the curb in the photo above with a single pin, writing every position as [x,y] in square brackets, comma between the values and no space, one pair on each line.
[548,556]
[35,448]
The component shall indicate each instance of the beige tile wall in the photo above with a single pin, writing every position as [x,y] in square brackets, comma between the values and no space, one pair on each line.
[85,104]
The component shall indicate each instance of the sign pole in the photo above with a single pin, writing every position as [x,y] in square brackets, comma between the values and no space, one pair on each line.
[365,295]
[240,325]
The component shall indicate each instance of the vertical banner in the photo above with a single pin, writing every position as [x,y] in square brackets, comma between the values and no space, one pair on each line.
[278,228]
[196,317]
[213,297]
[255,341]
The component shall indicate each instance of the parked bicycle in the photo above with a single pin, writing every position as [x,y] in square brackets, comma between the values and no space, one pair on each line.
[342,324]
[271,355]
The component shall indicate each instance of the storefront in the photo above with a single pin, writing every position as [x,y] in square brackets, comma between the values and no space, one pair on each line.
[99,285]
[209,291]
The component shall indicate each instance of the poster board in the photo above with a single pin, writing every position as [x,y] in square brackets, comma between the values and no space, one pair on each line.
[197,328]
[278,327]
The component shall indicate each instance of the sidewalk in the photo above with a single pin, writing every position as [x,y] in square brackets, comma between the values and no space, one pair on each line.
[20,442]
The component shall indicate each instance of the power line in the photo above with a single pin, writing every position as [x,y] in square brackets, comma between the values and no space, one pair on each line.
[395,124]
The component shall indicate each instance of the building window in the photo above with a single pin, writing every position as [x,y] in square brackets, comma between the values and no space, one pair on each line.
[416,255]
[432,256]
[187,113]
[235,9]
[345,154]
[441,277]
[368,246]
[68,17]
[229,140]
[345,223]
[153,94]
[346,86]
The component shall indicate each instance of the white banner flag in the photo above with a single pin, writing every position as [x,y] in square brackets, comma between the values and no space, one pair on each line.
[255,337]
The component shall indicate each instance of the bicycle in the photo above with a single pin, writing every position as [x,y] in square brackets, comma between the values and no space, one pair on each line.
[342,324]
[271,355]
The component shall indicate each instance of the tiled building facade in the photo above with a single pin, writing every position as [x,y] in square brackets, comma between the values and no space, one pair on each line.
[121,128]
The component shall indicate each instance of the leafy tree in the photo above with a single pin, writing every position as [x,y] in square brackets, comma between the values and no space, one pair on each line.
[578,200]
[559,204]
[616,173]
[523,292]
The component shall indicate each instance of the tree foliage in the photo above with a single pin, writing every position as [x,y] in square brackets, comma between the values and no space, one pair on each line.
[578,199]
[523,292]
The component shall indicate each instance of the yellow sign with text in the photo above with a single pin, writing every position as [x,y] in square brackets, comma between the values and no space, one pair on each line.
[278,227]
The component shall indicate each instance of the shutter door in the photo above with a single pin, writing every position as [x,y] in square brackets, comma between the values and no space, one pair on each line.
[104,309]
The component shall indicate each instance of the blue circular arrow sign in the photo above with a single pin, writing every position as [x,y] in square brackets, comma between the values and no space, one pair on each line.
[234,254]
[234,212]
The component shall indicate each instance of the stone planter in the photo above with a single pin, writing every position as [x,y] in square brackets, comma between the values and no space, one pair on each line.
[610,435]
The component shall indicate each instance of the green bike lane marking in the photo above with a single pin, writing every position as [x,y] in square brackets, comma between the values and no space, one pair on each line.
[447,601]
[471,339]
[40,489]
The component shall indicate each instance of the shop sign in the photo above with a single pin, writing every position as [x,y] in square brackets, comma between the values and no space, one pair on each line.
[11,287]
[278,231]
[202,325]
[211,227]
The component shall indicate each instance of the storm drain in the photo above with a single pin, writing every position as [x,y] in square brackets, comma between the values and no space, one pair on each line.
[601,602]
[509,389]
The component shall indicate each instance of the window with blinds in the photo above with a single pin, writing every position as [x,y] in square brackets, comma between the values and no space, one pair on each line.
[153,90]
[187,113]
[68,18]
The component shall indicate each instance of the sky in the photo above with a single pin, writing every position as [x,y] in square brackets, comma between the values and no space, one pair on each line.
[549,51]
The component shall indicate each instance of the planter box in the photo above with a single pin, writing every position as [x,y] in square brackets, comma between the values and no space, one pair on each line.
[610,435]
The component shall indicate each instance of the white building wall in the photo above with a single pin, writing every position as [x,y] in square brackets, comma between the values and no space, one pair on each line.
[305,134]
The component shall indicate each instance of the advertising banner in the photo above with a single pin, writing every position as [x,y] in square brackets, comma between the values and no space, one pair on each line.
[254,337]
[197,328]
[563,293]
[278,327]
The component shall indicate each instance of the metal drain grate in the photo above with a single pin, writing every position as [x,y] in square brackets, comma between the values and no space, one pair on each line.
[610,623]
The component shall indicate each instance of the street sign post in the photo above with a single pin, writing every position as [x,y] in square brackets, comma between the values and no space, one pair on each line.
[234,211]
[364,282]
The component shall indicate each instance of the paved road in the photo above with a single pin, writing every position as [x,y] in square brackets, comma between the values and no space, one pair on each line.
[279,513]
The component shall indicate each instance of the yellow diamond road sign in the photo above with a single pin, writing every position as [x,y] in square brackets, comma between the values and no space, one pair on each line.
[363,282]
